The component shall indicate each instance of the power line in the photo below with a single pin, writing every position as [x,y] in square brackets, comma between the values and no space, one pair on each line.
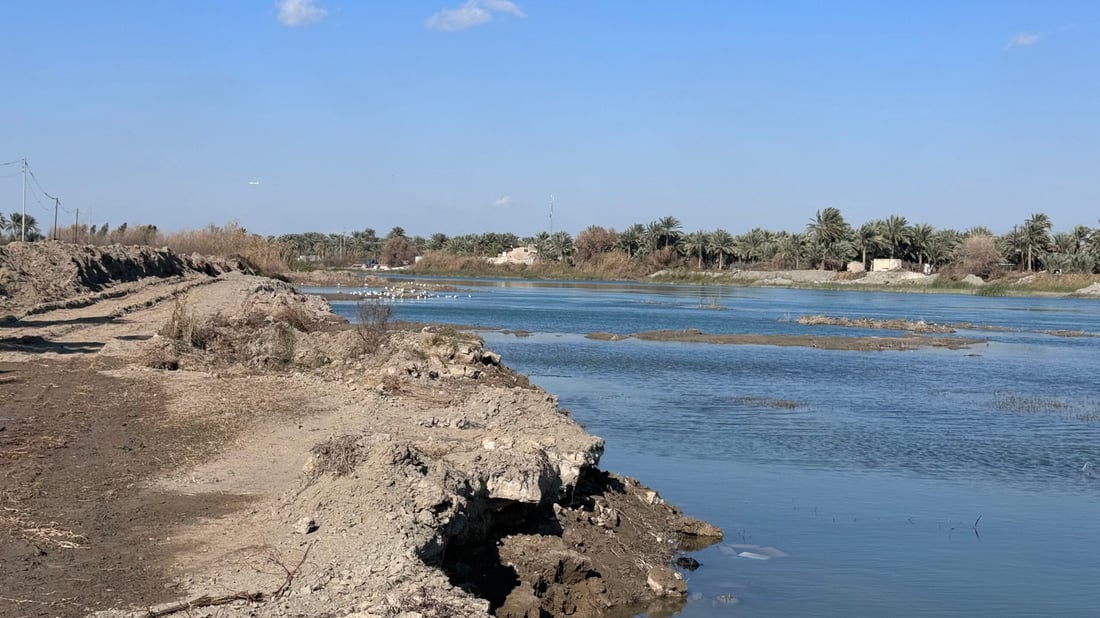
[35,178]
[11,162]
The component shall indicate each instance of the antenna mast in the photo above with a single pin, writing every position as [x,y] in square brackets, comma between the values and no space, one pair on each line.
[551,213]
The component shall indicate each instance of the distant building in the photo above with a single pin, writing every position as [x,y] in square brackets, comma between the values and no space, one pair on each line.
[885,264]
[519,255]
[855,267]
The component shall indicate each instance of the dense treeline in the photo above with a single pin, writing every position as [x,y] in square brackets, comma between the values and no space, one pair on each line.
[828,241]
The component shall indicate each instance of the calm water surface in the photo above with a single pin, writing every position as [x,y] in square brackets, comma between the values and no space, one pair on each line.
[869,469]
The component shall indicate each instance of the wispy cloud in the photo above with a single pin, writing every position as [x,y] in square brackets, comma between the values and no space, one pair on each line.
[300,12]
[473,13]
[1024,39]
[504,202]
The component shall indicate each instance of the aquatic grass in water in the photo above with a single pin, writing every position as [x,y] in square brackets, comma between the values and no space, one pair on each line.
[1028,403]
[993,289]
[1085,411]
[767,402]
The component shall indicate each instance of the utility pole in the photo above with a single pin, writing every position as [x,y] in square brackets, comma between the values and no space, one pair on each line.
[23,221]
[56,206]
[76,226]
[551,214]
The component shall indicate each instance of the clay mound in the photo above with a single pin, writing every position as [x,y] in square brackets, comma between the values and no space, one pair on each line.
[47,272]
[1092,290]
[973,280]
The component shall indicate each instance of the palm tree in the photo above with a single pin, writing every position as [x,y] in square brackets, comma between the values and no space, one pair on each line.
[1092,245]
[919,235]
[23,227]
[1036,233]
[664,232]
[630,240]
[1064,242]
[3,223]
[1013,246]
[670,227]
[543,246]
[869,239]
[695,243]
[722,243]
[828,231]
[896,232]
[561,245]
[828,226]
[1080,236]
[437,241]
[756,243]
[790,248]
[937,249]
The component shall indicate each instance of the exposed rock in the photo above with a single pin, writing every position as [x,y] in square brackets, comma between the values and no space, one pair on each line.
[666,581]
[305,525]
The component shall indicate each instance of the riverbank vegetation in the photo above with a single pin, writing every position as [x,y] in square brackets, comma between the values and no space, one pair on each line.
[827,242]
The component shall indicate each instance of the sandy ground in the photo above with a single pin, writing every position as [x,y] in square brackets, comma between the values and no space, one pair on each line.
[215,444]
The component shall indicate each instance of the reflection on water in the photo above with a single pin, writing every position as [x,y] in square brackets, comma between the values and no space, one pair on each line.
[869,469]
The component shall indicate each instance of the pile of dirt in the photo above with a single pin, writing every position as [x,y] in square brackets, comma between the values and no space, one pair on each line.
[37,276]
[438,499]
[263,326]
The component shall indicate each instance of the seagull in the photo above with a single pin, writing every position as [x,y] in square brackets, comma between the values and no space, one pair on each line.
[253,182]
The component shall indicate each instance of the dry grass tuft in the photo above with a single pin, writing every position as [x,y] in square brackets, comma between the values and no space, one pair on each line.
[18,524]
[373,323]
[266,255]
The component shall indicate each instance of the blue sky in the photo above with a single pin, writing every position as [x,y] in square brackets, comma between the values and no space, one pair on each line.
[462,116]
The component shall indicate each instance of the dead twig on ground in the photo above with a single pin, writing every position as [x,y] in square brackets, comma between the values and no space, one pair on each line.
[207,601]
[252,597]
[290,573]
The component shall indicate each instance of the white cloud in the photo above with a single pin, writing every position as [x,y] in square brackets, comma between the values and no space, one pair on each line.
[473,13]
[300,12]
[503,6]
[504,202]
[1024,39]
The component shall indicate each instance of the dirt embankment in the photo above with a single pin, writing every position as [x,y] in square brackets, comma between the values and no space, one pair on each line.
[216,440]
[41,276]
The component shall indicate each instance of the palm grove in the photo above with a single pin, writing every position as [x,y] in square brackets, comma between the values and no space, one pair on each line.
[828,241]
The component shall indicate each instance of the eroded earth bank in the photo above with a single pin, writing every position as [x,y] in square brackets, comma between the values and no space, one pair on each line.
[181,436]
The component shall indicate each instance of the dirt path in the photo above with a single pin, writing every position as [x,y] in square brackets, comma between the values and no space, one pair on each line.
[75,446]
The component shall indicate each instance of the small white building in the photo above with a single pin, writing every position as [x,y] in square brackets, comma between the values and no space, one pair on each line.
[519,255]
[885,264]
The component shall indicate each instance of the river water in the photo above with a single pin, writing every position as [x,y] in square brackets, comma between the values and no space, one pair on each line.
[920,483]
